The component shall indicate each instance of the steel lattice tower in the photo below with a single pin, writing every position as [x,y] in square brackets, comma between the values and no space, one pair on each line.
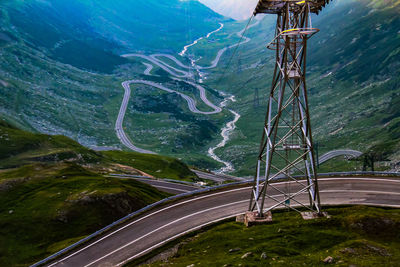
[286,149]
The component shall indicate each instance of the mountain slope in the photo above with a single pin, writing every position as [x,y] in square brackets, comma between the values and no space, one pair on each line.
[19,148]
[153,25]
[358,84]
[60,70]
[353,80]
[45,208]
[53,191]
[86,33]
[62,31]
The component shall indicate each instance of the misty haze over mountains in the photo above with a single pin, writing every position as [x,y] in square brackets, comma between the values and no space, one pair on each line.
[236,9]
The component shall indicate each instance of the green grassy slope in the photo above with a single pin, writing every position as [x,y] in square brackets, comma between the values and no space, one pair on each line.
[45,208]
[18,148]
[53,191]
[357,87]
[62,31]
[155,165]
[354,236]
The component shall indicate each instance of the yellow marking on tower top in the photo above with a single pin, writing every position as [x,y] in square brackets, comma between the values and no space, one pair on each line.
[278,6]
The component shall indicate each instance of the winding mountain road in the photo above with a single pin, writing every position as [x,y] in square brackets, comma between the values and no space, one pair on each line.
[148,69]
[166,67]
[179,74]
[155,228]
[190,101]
[120,119]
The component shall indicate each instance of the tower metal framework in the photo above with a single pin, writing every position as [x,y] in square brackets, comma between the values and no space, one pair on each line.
[286,149]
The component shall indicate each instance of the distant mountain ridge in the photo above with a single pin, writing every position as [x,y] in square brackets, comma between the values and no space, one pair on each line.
[70,29]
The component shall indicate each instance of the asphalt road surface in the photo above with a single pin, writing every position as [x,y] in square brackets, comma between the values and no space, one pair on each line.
[159,226]
[219,178]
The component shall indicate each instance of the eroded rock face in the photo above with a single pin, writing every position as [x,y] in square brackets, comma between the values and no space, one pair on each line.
[109,206]
[365,248]
[9,184]
[376,226]
[62,216]
[120,203]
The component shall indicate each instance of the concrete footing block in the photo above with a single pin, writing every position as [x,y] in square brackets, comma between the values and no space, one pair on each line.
[311,215]
[251,218]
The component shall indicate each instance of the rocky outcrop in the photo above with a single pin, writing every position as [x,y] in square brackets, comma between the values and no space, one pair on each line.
[109,207]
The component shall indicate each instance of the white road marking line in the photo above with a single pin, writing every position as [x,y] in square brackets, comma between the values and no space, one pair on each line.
[161,227]
[175,236]
[198,198]
[360,191]
[359,178]
[377,205]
